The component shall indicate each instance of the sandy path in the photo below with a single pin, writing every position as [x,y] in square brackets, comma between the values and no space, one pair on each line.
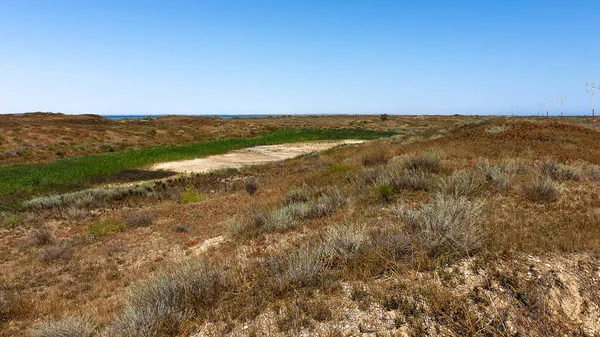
[250,156]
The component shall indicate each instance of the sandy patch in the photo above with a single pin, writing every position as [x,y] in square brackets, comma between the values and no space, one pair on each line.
[250,156]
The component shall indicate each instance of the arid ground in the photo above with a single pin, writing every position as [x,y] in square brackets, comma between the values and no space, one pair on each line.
[449,226]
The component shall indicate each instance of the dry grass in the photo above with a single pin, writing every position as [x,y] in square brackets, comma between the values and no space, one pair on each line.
[560,171]
[65,327]
[59,252]
[462,184]
[375,156]
[298,268]
[251,185]
[446,224]
[41,237]
[542,189]
[143,219]
[428,162]
[500,176]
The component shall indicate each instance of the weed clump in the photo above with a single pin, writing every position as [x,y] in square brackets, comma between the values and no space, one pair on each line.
[251,185]
[403,179]
[143,219]
[542,189]
[65,327]
[500,176]
[446,224]
[60,252]
[385,192]
[299,268]
[343,243]
[41,237]
[159,306]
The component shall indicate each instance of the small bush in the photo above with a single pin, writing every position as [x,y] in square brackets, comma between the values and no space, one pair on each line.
[180,228]
[42,237]
[391,243]
[560,171]
[106,227]
[383,117]
[144,219]
[594,172]
[496,129]
[461,184]
[299,195]
[251,185]
[446,224]
[429,162]
[542,189]
[385,192]
[405,179]
[498,175]
[189,196]
[299,268]
[344,242]
[375,156]
[158,306]
[64,327]
[60,252]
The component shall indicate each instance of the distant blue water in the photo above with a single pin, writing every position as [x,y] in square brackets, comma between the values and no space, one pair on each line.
[155,116]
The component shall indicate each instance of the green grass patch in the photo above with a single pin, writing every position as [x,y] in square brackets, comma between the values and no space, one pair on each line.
[336,168]
[190,195]
[11,221]
[106,227]
[25,180]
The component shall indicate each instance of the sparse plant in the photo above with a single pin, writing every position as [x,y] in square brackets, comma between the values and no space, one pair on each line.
[190,195]
[462,184]
[143,219]
[560,171]
[445,224]
[59,252]
[251,185]
[298,268]
[429,162]
[375,156]
[106,227]
[41,237]
[385,192]
[497,174]
[65,327]
[161,304]
[542,189]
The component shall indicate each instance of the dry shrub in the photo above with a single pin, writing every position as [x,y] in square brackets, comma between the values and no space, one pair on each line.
[251,185]
[143,219]
[65,327]
[561,171]
[159,306]
[496,129]
[41,237]
[407,179]
[429,162]
[594,172]
[499,175]
[446,224]
[299,195]
[542,189]
[11,305]
[390,243]
[462,184]
[375,156]
[344,242]
[298,268]
[60,252]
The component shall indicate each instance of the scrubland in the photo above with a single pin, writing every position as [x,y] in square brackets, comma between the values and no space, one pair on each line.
[453,226]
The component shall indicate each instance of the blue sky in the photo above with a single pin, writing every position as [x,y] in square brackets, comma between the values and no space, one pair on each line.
[238,57]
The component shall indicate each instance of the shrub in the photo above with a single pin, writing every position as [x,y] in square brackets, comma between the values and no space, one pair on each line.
[390,242]
[180,228]
[542,189]
[375,156]
[337,168]
[446,224]
[143,219]
[461,184]
[299,194]
[385,192]
[594,172]
[496,129]
[344,242]
[60,252]
[383,117]
[106,227]
[190,195]
[407,179]
[65,327]
[299,268]
[41,237]
[251,185]
[498,175]
[158,306]
[429,162]
[560,171]
[11,305]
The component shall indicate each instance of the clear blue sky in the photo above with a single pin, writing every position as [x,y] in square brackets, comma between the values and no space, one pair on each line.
[236,57]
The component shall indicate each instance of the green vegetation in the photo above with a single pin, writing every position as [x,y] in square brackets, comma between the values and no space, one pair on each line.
[79,172]
[107,227]
[190,195]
